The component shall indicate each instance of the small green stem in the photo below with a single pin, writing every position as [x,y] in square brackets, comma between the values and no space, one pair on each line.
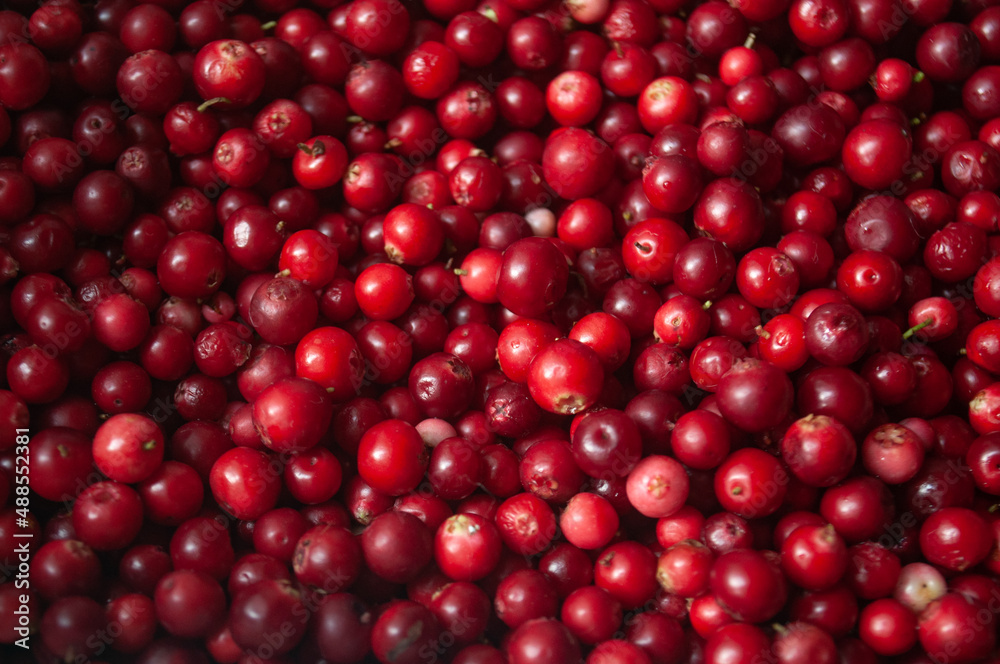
[916,328]
[208,103]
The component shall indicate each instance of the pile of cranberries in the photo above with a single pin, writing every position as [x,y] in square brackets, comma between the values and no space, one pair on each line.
[500,331]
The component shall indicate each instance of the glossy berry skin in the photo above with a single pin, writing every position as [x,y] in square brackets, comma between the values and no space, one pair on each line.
[704,268]
[627,570]
[281,126]
[107,515]
[981,457]
[188,130]
[933,318]
[684,568]
[566,377]
[814,557]
[873,281]
[319,162]
[413,235]
[888,627]
[192,265]
[56,323]
[366,22]
[310,257]
[857,508]
[782,342]
[576,163]
[892,453]
[839,393]
[754,395]
[537,640]
[524,595]
[36,378]
[737,642]
[330,357]
[172,494]
[672,182]
[591,614]
[467,110]
[948,52]
[242,483]
[682,321]
[128,447]
[875,153]
[25,75]
[880,223]
[462,608]
[239,158]
[607,335]
[751,483]
[252,236]
[231,70]
[712,358]
[918,585]
[526,522]
[589,521]
[767,278]
[944,617]
[476,183]
[313,477]
[384,291]
[549,471]
[264,603]
[981,345]
[64,456]
[327,557]
[607,441]
[441,385]
[665,101]
[532,278]
[430,70]
[511,411]
[120,322]
[748,584]
[984,410]
[700,439]
[397,546]
[955,538]
[467,547]
[403,631]
[730,211]
[819,450]
[649,250]
[188,603]
[800,640]
[292,414]
[392,457]
[657,486]
[836,334]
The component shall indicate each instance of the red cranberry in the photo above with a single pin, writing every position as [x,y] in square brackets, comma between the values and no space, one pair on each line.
[576,163]
[819,450]
[755,395]
[735,579]
[565,377]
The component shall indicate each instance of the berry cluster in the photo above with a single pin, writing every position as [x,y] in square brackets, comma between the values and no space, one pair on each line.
[501,331]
